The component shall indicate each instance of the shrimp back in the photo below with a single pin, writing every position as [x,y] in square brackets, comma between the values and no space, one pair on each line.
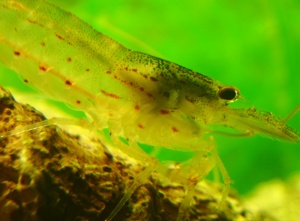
[55,51]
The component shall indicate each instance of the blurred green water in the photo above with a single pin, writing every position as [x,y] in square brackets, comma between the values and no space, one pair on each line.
[253,45]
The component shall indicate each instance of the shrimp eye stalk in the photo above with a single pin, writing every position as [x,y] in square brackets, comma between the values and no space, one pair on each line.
[228,93]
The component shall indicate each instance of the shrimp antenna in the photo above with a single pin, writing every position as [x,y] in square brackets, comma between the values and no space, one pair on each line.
[290,115]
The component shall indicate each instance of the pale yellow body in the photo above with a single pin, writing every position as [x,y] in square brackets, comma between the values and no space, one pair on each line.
[139,97]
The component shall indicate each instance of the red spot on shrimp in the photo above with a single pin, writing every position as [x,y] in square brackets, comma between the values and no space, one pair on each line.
[42,68]
[137,107]
[25,81]
[43,44]
[78,102]
[115,77]
[134,70]
[164,112]
[69,59]
[149,95]
[63,39]
[34,22]
[108,72]
[175,130]
[30,21]
[69,83]
[17,53]
[87,70]
[153,79]
[110,94]
[141,126]
[59,37]
[141,89]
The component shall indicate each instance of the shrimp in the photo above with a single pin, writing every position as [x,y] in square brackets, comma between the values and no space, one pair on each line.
[138,97]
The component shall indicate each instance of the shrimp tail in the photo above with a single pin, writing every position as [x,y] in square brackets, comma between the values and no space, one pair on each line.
[253,121]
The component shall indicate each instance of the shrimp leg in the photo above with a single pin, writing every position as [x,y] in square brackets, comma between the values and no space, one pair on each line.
[136,152]
[223,171]
[200,165]
[53,121]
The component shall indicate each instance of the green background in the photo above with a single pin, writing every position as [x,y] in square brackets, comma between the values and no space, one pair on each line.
[253,45]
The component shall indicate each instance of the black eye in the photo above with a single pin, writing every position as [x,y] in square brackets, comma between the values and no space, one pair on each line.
[228,93]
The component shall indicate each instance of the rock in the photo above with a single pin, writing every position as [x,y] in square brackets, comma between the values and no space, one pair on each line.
[48,174]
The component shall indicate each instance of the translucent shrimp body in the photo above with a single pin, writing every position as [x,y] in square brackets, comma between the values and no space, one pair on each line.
[67,59]
[137,96]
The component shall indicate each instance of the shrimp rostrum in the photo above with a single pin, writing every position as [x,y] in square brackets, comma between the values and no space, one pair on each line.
[138,97]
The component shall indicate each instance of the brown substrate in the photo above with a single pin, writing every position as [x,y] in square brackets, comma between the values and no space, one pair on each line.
[48,174]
